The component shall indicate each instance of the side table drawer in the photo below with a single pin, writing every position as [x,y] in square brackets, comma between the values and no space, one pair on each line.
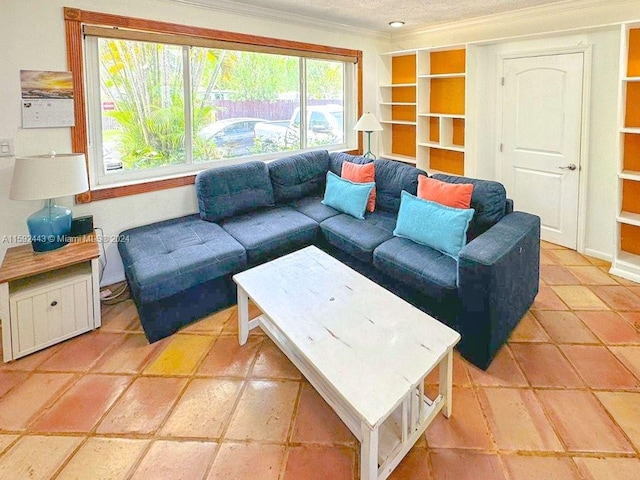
[45,314]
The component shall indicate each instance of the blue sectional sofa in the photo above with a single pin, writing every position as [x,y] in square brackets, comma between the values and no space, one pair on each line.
[180,270]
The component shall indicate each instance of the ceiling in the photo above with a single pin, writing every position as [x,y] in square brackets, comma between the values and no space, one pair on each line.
[375,15]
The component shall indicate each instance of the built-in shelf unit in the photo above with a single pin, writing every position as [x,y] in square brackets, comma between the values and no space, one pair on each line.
[626,262]
[422,108]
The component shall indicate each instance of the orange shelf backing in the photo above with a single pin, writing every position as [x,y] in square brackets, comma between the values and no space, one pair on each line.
[404,112]
[458,132]
[447,161]
[630,238]
[447,96]
[403,69]
[434,129]
[449,61]
[631,196]
[631,160]
[403,94]
[403,140]
[632,114]
[633,62]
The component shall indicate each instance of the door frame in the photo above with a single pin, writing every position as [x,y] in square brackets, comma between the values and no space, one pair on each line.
[583,170]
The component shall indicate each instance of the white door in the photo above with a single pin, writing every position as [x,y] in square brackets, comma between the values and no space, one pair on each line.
[541,136]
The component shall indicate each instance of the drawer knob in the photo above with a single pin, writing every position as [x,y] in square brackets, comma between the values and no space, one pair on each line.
[54,303]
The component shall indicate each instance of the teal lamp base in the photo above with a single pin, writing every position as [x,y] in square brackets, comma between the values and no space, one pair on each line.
[49,227]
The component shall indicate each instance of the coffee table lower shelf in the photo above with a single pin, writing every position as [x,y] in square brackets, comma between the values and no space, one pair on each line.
[383,446]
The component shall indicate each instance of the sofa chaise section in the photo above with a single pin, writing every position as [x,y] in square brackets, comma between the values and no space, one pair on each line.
[180,270]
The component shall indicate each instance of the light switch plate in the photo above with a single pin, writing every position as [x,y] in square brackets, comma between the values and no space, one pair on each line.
[6,147]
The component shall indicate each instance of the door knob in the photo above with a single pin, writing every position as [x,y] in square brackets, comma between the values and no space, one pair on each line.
[571,166]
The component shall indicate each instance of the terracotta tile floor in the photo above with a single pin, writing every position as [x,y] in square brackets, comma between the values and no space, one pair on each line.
[561,401]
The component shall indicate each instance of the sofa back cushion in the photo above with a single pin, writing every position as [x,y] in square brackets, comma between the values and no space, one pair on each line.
[336,160]
[391,179]
[226,191]
[299,176]
[489,200]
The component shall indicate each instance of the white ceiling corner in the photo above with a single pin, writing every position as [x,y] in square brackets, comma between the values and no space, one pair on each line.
[372,17]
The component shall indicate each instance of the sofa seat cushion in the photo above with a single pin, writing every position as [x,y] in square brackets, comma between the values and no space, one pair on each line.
[423,268]
[270,232]
[314,208]
[227,191]
[359,238]
[164,258]
[298,176]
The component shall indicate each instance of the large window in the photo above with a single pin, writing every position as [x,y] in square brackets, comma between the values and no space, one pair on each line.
[163,105]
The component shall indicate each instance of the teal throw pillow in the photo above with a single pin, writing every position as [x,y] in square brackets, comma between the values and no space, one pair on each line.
[346,196]
[429,223]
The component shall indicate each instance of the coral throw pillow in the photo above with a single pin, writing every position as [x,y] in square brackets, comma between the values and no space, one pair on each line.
[365,173]
[456,195]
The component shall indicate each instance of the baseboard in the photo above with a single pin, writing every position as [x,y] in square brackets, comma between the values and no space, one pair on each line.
[598,254]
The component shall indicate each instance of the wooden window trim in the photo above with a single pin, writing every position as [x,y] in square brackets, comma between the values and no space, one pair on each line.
[74,20]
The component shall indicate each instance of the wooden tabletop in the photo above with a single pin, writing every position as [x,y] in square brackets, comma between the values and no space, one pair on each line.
[370,346]
[22,261]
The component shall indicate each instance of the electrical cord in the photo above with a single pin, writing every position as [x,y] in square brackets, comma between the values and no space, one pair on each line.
[104,254]
[119,294]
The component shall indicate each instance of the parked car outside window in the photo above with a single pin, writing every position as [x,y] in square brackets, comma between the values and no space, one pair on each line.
[233,136]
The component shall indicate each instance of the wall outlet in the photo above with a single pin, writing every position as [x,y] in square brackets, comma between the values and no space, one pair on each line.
[6,147]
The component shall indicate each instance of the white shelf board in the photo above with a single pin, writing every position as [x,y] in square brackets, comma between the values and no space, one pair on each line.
[397,122]
[396,85]
[399,53]
[433,171]
[630,130]
[453,148]
[629,218]
[400,158]
[405,104]
[442,115]
[631,79]
[629,175]
[443,75]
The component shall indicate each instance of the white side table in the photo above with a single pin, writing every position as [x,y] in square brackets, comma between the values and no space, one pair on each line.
[46,298]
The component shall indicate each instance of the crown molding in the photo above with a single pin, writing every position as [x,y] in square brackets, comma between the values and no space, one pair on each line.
[262,13]
[514,15]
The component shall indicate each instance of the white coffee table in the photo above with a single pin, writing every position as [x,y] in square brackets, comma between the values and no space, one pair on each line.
[366,351]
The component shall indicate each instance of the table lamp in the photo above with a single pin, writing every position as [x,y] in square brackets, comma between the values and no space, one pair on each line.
[368,123]
[46,177]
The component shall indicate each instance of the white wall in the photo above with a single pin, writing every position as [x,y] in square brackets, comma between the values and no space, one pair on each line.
[586,22]
[32,37]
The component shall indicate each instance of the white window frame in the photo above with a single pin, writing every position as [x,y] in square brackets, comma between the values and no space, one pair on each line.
[99,179]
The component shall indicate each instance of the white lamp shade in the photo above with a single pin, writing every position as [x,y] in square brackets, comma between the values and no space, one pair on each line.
[42,177]
[368,123]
